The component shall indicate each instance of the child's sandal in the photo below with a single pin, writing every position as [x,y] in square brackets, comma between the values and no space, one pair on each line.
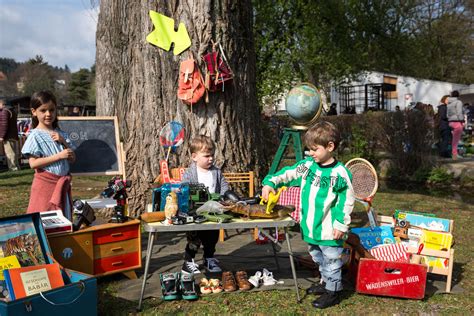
[204,286]
[216,285]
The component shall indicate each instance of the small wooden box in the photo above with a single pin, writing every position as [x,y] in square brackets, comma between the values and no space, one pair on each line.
[100,249]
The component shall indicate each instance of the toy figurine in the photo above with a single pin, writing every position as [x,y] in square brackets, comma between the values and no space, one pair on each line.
[171,207]
[272,200]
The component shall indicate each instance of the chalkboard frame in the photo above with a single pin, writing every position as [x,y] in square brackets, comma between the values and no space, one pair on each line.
[118,144]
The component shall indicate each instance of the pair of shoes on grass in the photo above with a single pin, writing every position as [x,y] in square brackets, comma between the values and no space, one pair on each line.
[210,286]
[327,298]
[211,265]
[240,281]
[175,285]
[263,278]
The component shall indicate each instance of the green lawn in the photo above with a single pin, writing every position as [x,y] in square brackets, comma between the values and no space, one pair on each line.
[14,191]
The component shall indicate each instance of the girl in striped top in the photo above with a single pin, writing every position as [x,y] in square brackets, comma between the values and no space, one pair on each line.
[48,151]
[327,200]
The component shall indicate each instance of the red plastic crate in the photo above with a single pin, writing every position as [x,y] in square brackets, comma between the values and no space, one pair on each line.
[396,279]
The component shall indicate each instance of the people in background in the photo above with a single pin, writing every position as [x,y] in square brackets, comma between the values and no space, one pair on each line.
[468,112]
[49,152]
[456,119]
[397,108]
[9,136]
[76,111]
[443,128]
[333,109]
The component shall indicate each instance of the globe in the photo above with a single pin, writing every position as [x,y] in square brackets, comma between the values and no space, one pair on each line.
[303,103]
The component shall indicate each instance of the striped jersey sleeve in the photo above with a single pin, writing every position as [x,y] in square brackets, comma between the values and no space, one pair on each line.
[287,175]
[341,212]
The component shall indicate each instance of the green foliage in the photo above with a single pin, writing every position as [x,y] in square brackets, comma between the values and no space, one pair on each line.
[359,141]
[8,65]
[421,175]
[36,75]
[440,177]
[80,86]
[328,41]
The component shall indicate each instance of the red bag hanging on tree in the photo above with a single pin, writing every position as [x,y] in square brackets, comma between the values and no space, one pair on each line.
[190,85]
[218,71]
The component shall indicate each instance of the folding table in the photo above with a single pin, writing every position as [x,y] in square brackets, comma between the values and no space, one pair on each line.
[154,228]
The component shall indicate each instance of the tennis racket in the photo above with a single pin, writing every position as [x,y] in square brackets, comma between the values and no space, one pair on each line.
[365,184]
[171,136]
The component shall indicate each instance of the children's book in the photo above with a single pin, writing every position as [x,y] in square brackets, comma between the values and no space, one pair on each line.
[371,237]
[437,240]
[26,281]
[6,263]
[421,220]
[18,238]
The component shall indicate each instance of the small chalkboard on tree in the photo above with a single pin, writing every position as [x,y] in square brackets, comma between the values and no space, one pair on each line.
[97,142]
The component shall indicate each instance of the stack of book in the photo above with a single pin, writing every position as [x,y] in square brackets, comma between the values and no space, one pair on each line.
[23,268]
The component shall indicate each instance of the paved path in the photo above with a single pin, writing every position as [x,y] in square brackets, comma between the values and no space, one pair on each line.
[463,166]
[238,252]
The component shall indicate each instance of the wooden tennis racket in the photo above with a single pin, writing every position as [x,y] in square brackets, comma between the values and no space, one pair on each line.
[365,184]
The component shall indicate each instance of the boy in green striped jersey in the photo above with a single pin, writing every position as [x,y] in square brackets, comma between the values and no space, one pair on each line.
[327,200]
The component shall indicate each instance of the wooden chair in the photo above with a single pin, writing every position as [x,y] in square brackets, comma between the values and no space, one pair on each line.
[231,177]
[239,177]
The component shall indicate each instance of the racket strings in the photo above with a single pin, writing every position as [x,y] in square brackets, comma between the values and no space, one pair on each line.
[364,181]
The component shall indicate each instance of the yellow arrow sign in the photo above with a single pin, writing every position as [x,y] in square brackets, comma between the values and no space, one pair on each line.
[164,34]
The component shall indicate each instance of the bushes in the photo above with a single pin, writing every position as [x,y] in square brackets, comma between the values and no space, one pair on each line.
[440,177]
[403,137]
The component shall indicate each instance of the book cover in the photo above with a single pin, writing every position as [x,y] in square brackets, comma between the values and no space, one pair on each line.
[371,237]
[6,263]
[18,238]
[26,281]
[424,221]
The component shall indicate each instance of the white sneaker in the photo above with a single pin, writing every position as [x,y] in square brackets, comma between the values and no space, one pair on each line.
[211,265]
[190,267]
[268,278]
[255,279]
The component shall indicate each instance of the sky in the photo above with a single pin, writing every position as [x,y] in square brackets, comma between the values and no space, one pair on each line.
[62,31]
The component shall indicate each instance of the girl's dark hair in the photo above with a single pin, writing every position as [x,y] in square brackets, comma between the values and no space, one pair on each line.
[38,99]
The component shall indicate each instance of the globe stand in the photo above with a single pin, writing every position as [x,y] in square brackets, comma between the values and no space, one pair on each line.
[289,134]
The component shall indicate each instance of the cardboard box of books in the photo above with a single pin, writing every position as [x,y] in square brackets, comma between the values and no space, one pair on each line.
[31,282]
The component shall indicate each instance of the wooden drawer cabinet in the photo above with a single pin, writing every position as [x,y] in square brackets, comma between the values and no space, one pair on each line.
[100,249]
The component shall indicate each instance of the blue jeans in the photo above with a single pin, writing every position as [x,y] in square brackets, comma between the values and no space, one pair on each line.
[330,265]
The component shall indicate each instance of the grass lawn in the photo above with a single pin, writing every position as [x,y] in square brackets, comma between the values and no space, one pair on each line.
[14,192]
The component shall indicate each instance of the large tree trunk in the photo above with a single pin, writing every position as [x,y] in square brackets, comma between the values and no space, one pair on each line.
[137,82]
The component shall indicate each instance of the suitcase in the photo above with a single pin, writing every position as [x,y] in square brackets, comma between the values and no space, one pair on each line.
[77,297]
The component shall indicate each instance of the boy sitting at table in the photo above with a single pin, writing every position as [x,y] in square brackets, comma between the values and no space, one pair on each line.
[327,200]
[203,170]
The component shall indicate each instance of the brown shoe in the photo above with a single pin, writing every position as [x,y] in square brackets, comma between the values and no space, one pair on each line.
[243,281]
[228,281]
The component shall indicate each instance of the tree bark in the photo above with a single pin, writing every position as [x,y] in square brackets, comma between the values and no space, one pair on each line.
[138,82]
